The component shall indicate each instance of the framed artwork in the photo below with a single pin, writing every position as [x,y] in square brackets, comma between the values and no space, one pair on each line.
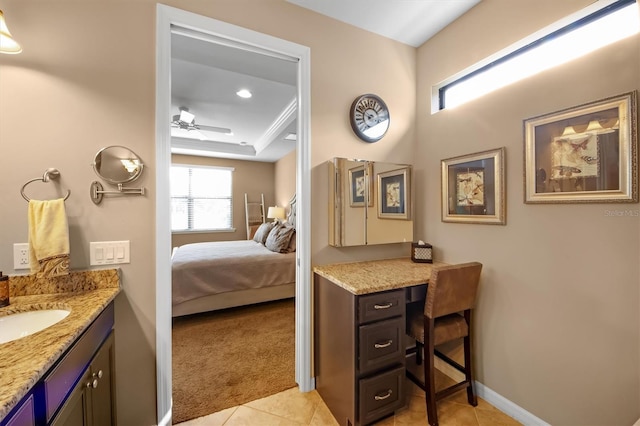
[394,189]
[358,186]
[583,154]
[473,188]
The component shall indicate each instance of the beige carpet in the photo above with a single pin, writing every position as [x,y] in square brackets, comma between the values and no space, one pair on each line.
[227,358]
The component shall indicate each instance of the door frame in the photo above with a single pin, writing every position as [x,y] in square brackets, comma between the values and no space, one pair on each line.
[243,38]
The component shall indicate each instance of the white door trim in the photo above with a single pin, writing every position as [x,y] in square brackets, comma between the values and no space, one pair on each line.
[166,17]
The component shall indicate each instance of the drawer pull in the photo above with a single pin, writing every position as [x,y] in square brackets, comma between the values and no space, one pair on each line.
[383,397]
[383,345]
[387,306]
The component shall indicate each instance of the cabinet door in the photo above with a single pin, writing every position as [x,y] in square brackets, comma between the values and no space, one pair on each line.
[75,411]
[24,416]
[102,390]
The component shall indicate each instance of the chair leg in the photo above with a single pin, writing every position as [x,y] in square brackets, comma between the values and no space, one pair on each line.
[429,373]
[468,370]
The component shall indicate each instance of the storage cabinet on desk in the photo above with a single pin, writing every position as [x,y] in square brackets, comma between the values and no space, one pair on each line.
[359,353]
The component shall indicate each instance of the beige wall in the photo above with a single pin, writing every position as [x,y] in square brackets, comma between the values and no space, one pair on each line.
[250,177]
[86,80]
[557,320]
[285,179]
[558,314]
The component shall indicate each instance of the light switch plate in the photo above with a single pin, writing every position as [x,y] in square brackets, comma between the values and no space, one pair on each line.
[21,256]
[109,252]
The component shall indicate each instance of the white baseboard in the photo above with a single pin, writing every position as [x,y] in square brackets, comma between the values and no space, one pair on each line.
[501,403]
[509,408]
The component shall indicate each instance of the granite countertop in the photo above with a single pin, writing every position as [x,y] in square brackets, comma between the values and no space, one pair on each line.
[377,275]
[24,361]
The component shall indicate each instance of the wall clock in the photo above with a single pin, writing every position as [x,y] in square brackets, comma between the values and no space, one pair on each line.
[369,117]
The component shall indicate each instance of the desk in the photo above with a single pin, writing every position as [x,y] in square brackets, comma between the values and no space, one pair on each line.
[359,329]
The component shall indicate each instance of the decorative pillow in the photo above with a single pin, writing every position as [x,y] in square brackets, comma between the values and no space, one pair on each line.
[263,232]
[292,243]
[279,238]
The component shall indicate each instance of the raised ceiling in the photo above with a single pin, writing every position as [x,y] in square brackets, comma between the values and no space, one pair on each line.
[206,74]
[205,77]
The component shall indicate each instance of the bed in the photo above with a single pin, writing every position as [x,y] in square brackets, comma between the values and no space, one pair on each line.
[217,275]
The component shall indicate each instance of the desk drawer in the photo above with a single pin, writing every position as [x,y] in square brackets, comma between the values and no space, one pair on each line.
[377,306]
[381,395]
[380,344]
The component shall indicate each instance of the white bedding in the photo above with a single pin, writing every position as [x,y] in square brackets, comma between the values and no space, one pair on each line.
[203,269]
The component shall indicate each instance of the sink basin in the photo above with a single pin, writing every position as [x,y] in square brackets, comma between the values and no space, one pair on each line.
[22,324]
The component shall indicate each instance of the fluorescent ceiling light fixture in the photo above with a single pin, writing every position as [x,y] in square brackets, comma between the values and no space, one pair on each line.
[244,93]
[7,43]
[615,21]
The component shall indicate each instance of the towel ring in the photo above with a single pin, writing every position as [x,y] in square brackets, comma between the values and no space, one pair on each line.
[49,174]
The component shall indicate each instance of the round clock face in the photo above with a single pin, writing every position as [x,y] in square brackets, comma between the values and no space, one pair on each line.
[369,117]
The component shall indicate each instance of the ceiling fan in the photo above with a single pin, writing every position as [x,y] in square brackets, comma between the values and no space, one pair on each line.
[187,121]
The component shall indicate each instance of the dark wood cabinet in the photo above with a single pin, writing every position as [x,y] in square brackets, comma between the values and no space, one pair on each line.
[359,352]
[79,388]
[91,402]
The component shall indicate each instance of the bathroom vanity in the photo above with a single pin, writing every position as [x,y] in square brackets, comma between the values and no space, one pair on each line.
[359,328]
[64,374]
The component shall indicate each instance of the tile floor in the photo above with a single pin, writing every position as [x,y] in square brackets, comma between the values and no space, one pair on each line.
[294,408]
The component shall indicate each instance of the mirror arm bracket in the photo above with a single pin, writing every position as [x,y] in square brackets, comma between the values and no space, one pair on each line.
[97,191]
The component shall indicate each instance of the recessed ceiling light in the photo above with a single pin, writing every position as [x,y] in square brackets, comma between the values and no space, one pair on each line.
[244,93]
[291,137]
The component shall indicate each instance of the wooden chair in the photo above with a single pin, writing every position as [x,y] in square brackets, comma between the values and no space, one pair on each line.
[445,316]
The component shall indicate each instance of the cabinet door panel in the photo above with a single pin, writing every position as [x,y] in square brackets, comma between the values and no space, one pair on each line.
[102,401]
[25,416]
[75,411]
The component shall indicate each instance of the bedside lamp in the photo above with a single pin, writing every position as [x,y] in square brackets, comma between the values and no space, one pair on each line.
[275,213]
[7,43]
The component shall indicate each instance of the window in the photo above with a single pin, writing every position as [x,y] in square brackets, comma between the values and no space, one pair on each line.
[201,198]
[602,23]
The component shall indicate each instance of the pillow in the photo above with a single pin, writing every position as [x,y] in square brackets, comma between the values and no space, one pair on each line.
[279,238]
[292,243]
[263,232]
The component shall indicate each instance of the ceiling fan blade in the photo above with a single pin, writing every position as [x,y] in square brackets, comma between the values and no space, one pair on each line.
[215,129]
[201,136]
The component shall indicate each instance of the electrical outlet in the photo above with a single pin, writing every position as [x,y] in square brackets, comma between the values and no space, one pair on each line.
[21,256]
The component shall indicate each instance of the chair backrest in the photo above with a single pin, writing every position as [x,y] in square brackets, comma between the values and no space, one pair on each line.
[452,288]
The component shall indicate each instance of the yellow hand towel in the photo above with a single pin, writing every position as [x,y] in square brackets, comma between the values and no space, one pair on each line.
[48,238]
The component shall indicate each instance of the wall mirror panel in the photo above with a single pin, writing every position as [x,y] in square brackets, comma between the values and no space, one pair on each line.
[370,202]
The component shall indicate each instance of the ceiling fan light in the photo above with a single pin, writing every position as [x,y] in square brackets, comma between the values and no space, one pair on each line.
[7,43]
[186,116]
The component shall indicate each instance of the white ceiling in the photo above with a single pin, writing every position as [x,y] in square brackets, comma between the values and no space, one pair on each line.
[410,22]
[205,76]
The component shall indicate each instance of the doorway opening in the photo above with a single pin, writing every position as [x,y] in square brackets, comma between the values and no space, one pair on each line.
[167,20]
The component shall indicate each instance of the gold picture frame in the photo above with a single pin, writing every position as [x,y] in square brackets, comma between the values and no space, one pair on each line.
[583,154]
[394,192]
[473,188]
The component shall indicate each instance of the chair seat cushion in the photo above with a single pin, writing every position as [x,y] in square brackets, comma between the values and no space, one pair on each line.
[446,328]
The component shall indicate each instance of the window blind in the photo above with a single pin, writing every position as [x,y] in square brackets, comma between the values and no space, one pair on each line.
[201,198]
